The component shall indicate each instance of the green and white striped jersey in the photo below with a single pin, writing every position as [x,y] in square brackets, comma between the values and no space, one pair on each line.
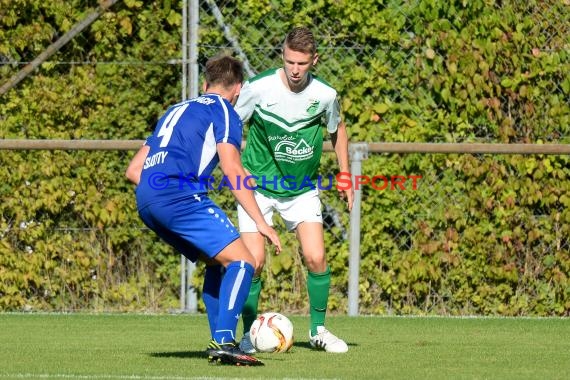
[285,139]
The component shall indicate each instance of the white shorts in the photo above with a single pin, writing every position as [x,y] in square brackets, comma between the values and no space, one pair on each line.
[294,210]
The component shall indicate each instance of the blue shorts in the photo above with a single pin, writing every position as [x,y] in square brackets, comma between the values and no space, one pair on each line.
[192,226]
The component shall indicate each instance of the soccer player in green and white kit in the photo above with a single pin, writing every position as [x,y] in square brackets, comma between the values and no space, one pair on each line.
[286,109]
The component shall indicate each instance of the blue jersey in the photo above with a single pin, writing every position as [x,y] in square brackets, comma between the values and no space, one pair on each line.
[183,150]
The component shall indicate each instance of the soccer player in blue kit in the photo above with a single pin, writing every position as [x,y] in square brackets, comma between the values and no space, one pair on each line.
[189,141]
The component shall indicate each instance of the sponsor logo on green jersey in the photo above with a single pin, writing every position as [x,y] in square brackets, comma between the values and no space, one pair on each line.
[290,151]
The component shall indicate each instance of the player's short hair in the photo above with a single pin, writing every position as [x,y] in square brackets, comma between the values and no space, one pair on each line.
[223,70]
[301,39]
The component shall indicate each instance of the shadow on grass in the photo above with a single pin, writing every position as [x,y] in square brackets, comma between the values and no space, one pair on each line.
[202,354]
[307,345]
[180,354]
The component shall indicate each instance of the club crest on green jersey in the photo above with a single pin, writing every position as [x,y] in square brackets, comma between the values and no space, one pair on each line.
[313,107]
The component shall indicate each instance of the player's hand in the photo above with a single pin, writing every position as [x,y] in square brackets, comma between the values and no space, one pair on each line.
[270,234]
[348,196]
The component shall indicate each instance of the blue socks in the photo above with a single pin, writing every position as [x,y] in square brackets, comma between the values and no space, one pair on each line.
[211,293]
[233,292]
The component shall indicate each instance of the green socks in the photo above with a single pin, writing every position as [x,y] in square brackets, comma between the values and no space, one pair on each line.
[318,285]
[249,311]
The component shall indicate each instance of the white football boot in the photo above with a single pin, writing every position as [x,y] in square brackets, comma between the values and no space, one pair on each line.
[325,340]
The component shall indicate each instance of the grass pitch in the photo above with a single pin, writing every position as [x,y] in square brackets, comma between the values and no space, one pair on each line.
[164,347]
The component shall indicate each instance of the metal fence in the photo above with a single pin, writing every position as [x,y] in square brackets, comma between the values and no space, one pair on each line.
[209,26]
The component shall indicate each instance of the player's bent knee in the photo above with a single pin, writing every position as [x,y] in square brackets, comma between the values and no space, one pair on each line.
[235,251]
[259,264]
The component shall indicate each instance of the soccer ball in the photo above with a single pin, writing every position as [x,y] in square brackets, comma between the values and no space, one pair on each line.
[271,332]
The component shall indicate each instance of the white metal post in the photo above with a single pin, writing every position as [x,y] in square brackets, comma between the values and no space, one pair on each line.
[184,96]
[191,294]
[190,72]
[358,152]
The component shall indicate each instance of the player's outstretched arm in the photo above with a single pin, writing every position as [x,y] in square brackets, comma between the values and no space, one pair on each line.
[340,144]
[134,170]
[230,162]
